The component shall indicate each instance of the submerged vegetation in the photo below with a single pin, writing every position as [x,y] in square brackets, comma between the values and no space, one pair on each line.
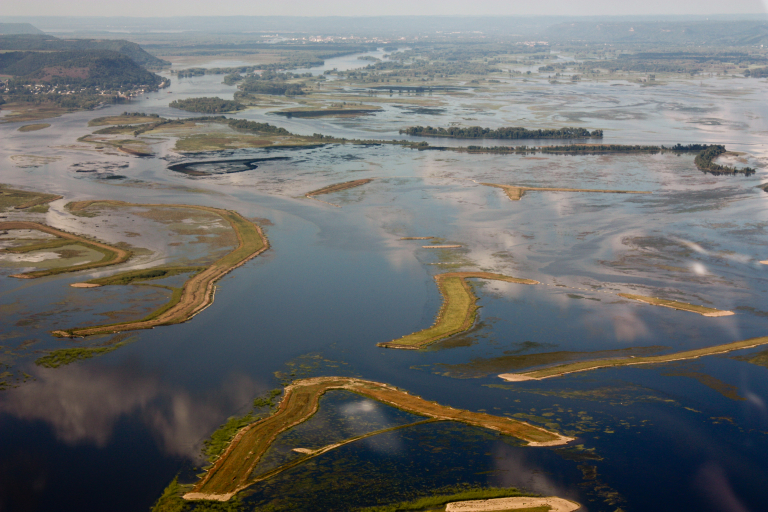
[66,356]
[457,314]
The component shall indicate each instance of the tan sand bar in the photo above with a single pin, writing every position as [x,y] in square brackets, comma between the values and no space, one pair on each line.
[554,503]
[585,366]
[417,238]
[458,311]
[440,246]
[682,306]
[198,291]
[338,187]
[232,472]
[516,193]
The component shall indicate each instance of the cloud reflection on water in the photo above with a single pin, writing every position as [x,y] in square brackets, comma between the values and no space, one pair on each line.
[83,404]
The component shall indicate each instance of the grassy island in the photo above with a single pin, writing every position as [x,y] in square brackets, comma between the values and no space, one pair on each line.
[458,311]
[516,193]
[197,292]
[682,306]
[112,255]
[232,472]
[584,366]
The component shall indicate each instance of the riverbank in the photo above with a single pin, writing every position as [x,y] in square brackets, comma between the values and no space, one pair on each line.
[197,292]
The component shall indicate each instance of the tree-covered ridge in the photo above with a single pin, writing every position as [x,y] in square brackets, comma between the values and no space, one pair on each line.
[46,43]
[251,85]
[107,70]
[509,132]
[704,161]
[207,105]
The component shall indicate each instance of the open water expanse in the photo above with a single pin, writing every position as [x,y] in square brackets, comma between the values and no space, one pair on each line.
[111,432]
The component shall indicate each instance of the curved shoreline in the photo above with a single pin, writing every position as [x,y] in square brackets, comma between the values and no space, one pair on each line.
[198,291]
[585,366]
[117,255]
[458,301]
[231,472]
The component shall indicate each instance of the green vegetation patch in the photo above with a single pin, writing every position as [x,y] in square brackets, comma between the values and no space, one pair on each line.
[33,127]
[125,118]
[131,276]
[207,105]
[22,199]
[66,356]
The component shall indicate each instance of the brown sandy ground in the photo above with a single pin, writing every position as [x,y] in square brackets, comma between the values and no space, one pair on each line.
[231,473]
[554,503]
[198,292]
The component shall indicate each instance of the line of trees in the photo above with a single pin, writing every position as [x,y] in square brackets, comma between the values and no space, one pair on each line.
[207,105]
[477,132]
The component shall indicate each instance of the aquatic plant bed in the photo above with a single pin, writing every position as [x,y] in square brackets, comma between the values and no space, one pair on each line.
[458,311]
[112,255]
[516,193]
[583,366]
[231,473]
[197,292]
[682,306]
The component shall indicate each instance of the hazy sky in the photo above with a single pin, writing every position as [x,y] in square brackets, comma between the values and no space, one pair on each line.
[373,8]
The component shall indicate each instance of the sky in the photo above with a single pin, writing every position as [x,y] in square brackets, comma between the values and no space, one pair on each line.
[148,8]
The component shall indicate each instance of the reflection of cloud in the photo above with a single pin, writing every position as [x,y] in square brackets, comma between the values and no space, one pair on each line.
[699,268]
[712,482]
[628,327]
[512,469]
[83,404]
[373,415]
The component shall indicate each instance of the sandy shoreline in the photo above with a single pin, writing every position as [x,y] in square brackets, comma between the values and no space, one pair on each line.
[501,504]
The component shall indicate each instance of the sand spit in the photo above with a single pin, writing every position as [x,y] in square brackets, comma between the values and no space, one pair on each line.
[585,366]
[516,193]
[681,306]
[502,504]
[84,285]
[417,238]
[233,470]
[440,246]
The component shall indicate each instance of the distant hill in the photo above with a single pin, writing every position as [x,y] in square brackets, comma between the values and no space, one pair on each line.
[108,70]
[712,32]
[45,43]
[18,28]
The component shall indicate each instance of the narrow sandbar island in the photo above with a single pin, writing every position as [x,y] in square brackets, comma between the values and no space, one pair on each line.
[458,312]
[198,291]
[673,304]
[585,366]
[516,193]
[232,471]
[554,503]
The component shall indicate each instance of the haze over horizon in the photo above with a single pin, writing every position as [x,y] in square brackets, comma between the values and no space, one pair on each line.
[174,8]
